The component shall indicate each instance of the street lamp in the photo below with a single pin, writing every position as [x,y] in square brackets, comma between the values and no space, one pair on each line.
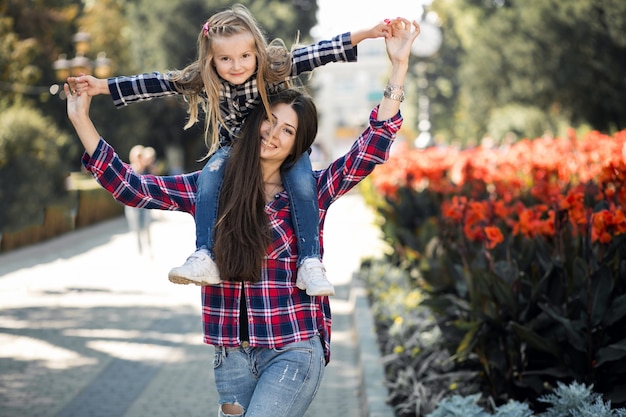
[426,45]
[80,64]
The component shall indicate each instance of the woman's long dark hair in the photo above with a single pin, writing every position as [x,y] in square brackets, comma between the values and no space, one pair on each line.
[242,233]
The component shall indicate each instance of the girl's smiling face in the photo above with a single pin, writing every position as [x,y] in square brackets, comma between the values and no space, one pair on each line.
[234,57]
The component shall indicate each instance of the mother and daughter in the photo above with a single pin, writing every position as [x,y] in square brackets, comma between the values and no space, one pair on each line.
[235,71]
[258,318]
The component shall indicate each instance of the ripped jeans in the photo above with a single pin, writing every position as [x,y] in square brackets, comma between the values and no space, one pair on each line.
[260,382]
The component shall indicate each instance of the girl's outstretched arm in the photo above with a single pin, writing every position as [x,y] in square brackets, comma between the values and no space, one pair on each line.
[78,113]
[88,84]
[381,30]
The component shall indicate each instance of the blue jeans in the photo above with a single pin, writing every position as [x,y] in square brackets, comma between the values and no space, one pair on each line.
[269,382]
[298,182]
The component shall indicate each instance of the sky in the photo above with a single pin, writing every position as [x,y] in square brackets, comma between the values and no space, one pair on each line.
[338,16]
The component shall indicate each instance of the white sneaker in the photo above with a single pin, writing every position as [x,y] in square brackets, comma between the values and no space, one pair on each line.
[198,269]
[312,278]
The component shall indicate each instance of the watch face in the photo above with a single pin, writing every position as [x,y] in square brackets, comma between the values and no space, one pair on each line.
[429,41]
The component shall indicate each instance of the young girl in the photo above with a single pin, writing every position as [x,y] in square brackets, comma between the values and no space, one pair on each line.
[235,71]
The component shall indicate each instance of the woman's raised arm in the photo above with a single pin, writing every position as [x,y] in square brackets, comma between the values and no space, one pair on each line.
[398,46]
[78,113]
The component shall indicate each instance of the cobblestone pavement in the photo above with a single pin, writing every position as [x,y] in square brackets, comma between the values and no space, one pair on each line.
[90,327]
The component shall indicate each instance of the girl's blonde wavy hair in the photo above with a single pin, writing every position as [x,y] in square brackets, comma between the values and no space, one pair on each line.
[273,66]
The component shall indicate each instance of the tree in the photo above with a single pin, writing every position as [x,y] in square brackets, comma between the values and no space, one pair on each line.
[563,58]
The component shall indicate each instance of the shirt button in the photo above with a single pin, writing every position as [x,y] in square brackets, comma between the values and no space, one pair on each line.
[245,344]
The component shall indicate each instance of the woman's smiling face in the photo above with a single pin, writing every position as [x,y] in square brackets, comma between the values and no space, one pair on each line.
[278,135]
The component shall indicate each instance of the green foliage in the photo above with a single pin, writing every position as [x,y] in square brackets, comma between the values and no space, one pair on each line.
[577,400]
[526,316]
[520,121]
[532,309]
[574,400]
[164,33]
[419,372]
[558,56]
[457,406]
[34,159]
[138,36]
[16,68]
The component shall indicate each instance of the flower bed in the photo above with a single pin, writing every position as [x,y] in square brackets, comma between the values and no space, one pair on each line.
[520,256]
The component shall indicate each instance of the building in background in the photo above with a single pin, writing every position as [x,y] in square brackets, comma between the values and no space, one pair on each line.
[344,94]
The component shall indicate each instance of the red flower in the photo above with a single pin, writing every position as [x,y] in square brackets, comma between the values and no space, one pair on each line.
[494,237]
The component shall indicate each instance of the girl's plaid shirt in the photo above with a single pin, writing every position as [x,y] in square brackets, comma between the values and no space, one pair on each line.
[236,101]
[278,312]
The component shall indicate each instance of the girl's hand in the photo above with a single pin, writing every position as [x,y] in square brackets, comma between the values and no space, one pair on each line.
[381,30]
[87,84]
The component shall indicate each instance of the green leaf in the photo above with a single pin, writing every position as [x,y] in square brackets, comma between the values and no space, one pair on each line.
[504,295]
[467,343]
[572,329]
[611,353]
[535,340]
[580,272]
[616,312]
[508,271]
[601,288]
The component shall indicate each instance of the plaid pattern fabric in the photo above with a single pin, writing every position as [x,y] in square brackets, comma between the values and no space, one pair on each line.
[236,101]
[278,312]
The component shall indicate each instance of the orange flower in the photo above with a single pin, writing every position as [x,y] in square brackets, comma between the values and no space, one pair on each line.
[619,221]
[454,209]
[494,236]
[601,223]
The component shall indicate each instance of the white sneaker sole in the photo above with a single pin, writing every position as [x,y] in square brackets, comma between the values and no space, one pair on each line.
[177,279]
[324,291]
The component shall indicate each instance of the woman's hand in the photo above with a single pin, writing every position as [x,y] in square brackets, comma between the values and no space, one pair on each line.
[403,34]
[78,113]
[77,105]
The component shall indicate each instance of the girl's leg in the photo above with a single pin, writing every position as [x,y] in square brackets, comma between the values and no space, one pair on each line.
[207,198]
[300,184]
[199,268]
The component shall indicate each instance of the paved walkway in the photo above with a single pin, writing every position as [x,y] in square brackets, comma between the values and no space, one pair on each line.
[88,327]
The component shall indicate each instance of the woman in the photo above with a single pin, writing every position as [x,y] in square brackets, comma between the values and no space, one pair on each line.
[271,339]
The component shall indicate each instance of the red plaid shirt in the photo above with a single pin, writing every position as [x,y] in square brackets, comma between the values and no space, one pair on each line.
[278,312]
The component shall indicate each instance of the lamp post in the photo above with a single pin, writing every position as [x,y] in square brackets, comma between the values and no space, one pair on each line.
[426,45]
[80,64]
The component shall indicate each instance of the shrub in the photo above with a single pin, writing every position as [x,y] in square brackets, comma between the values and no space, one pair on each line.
[34,164]
[574,400]
[523,256]
[418,369]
